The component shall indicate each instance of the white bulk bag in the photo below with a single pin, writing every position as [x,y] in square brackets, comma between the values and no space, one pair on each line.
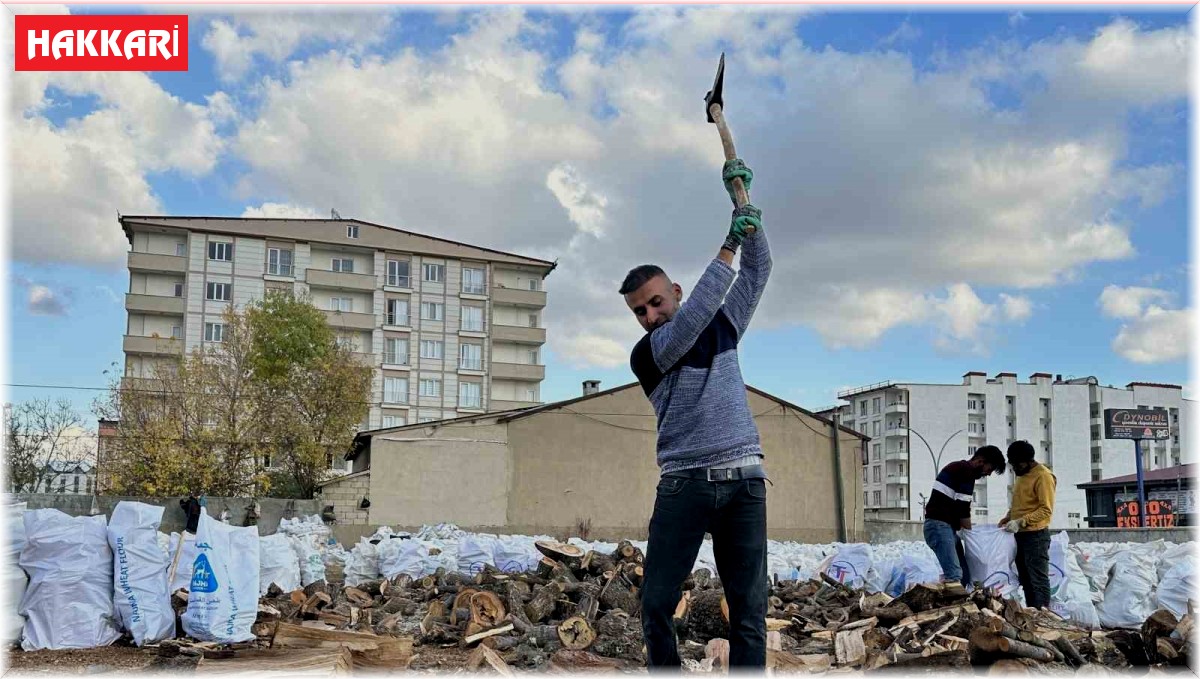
[140,572]
[223,596]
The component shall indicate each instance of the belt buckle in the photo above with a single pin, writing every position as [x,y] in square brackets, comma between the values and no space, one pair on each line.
[720,474]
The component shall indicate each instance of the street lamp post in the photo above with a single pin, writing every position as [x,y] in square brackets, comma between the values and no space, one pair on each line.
[937,460]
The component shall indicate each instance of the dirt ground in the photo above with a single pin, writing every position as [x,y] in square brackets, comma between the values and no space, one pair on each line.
[120,659]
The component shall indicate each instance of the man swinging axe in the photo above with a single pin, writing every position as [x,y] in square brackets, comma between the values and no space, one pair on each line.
[712,477]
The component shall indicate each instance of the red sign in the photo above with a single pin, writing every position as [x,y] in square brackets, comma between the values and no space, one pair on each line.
[1159,514]
[101,42]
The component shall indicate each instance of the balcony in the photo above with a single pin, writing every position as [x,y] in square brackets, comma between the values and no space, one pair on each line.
[894,408]
[896,433]
[522,372]
[152,346]
[147,262]
[141,384]
[364,358]
[401,282]
[534,299]
[518,334]
[155,304]
[339,280]
[396,320]
[395,359]
[478,290]
[896,479]
[475,364]
[895,454]
[350,320]
[497,404]
[477,328]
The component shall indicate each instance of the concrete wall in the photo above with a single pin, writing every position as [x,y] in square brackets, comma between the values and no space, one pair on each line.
[271,510]
[593,464]
[887,531]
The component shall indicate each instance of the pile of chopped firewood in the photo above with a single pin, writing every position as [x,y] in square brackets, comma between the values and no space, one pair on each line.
[580,610]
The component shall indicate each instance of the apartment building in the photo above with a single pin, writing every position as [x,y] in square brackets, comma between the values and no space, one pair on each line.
[450,328]
[916,429]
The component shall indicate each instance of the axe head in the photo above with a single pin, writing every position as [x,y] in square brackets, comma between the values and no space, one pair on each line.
[714,95]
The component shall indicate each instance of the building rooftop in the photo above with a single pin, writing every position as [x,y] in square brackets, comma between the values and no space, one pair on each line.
[1183,471]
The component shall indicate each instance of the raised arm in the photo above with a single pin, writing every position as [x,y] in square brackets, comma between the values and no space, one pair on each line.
[751,281]
[671,341]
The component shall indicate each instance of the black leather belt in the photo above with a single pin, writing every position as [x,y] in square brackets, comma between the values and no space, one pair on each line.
[754,471]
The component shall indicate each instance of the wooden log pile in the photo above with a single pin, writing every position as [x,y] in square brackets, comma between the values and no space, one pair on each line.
[580,610]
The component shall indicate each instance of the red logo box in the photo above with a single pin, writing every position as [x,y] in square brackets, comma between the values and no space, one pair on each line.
[101,42]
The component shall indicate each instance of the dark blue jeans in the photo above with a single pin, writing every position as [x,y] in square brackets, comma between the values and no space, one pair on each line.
[943,540]
[1033,566]
[735,512]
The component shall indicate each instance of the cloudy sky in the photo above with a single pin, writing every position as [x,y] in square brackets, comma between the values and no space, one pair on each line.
[943,192]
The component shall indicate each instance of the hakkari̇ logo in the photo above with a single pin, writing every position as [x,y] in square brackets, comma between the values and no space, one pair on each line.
[101,42]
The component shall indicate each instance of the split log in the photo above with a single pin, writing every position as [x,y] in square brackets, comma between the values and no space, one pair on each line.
[849,647]
[274,591]
[577,589]
[703,578]
[487,609]
[435,614]
[988,641]
[716,652]
[1064,646]
[399,605]
[297,597]
[314,587]
[625,550]
[315,603]
[542,602]
[439,633]
[516,594]
[1002,627]
[484,655]
[477,636]
[371,587]
[298,636]
[359,597]
[567,554]
[633,572]
[545,567]
[889,613]
[708,615]
[460,609]
[617,594]
[588,606]
[538,635]
[618,636]
[600,563]
[576,634]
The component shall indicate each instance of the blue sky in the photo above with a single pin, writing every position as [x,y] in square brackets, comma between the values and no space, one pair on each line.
[943,191]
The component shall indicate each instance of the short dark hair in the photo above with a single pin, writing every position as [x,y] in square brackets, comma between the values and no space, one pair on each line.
[1020,451]
[638,276]
[992,456]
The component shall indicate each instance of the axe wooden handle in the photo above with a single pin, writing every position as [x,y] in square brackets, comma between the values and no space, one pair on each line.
[739,189]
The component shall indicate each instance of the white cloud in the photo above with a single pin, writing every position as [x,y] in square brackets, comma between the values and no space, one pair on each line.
[904,33]
[281,210]
[69,180]
[237,42]
[43,301]
[1158,336]
[1016,308]
[584,206]
[1017,18]
[1131,302]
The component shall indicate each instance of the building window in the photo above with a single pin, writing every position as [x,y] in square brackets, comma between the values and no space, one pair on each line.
[970,404]
[431,386]
[472,319]
[221,252]
[875,451]
[875,404]
[426,418]
[397,273]
[395,389]
[531,394]
[535,284]
[176,332]
[971,450]
[279,262]
[341,304]
[351,231]
[342,265]
[876,496]
[394,421]
[901,469]
[181,249]
[533,357]
[875,428]
[1095,474]
[902,445]
[472,281]
[395,351]
[431,349]
[862,408]
[89,486]
[875,474]
[864,474]
[865,501]
[471,356]
[533,320]
[431,311]
[434,273]
[179,288]
[397,312]
[902,492]
[470,395]
[218,292]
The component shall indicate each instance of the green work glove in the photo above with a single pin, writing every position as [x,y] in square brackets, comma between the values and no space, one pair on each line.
[736,168]
[1014,525]
[744,218]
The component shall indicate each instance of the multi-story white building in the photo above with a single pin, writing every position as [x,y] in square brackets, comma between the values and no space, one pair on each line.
[916,429]
[72,477]
[450,328]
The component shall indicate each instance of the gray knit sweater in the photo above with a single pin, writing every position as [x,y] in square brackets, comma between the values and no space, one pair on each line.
[689,368]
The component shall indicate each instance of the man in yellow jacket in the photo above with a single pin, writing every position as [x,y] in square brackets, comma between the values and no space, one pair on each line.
[1028,517]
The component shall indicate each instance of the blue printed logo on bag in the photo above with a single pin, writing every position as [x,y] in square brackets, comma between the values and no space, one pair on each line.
[203,579]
